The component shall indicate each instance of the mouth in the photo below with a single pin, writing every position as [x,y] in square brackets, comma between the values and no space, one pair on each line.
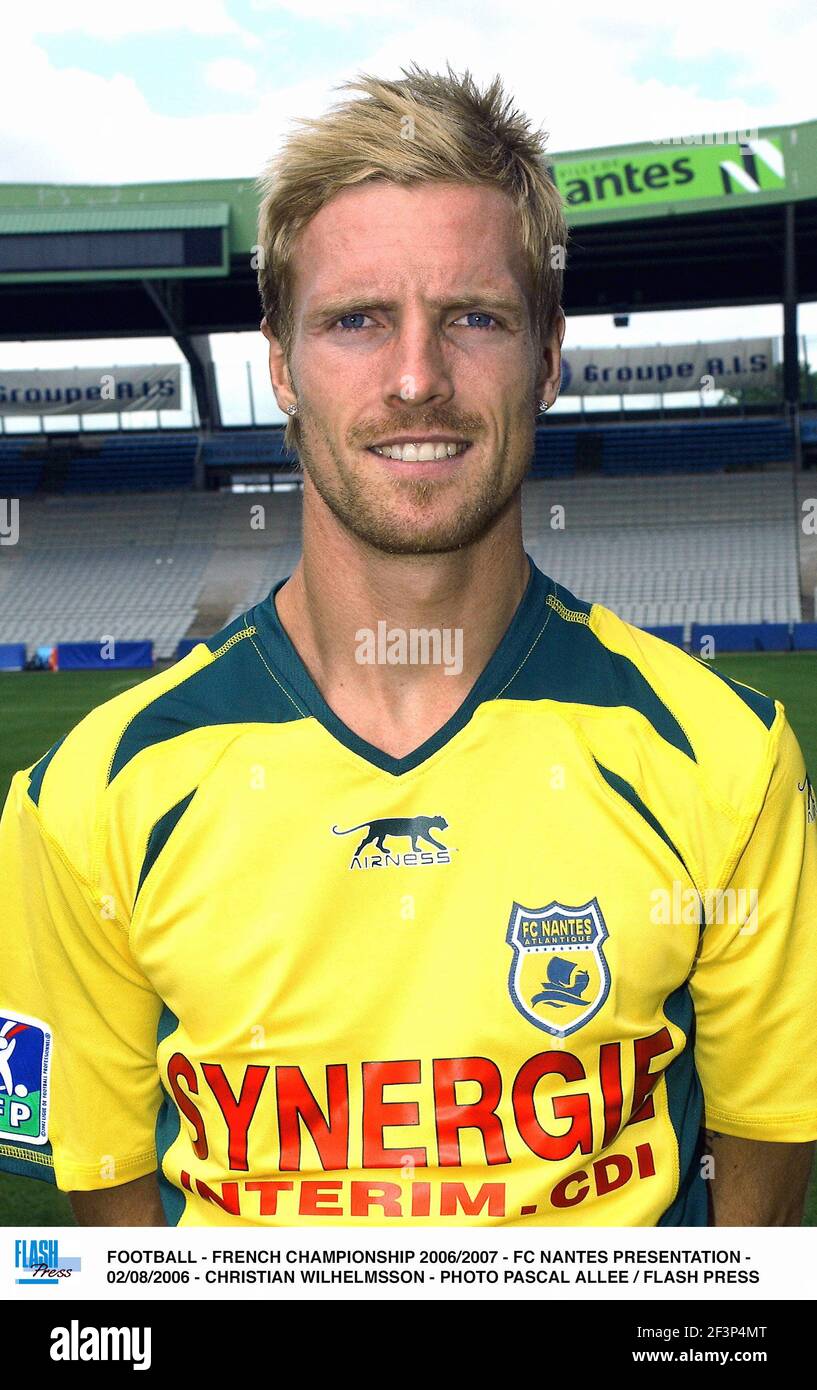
[421,451]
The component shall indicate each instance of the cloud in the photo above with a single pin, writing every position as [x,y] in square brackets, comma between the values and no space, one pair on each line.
[73,126]
[230,75]
[328,13]
[579,72]
[103,20]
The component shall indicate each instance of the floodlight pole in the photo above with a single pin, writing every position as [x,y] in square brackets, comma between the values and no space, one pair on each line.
[791,365]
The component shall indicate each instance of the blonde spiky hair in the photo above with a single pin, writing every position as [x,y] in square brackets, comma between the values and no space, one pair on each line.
[423,128]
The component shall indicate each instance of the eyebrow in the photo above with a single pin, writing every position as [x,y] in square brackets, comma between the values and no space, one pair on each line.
[335,309]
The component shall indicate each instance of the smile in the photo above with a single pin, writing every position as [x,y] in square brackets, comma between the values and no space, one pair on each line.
[419,453]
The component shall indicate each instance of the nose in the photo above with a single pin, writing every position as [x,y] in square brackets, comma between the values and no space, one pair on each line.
[418,371]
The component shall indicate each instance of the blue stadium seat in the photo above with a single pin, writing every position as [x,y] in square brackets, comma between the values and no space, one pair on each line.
[662,446]
[134,462]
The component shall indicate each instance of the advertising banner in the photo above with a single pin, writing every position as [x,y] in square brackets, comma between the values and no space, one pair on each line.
[671,173]
[631,371]
[90,390]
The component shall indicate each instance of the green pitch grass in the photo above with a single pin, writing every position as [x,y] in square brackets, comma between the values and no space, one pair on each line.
[38,708]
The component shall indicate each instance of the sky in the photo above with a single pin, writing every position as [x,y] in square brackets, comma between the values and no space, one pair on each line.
[183,89]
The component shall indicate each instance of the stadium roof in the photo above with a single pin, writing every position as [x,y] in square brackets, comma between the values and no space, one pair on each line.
[125,217]
[689,222]
[684,223]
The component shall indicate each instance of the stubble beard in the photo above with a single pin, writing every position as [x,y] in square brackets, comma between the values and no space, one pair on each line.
[387,528]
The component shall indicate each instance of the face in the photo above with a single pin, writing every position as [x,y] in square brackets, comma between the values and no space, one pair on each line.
[413,362]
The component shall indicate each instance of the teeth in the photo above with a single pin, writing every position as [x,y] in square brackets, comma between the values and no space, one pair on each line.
[418,453]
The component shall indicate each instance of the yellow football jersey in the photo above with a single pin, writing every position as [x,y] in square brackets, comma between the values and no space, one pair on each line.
[504,979]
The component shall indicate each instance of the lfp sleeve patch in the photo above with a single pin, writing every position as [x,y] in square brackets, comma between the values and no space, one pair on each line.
[25,1064]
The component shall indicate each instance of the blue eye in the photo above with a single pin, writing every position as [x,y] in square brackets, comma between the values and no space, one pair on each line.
[346,325]
[478,314]
[356,315]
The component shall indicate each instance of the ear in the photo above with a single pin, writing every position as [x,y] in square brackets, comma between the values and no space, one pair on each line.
[278,369]
[550,366]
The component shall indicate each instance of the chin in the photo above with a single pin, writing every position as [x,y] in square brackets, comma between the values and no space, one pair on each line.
[400,536]
[419,518]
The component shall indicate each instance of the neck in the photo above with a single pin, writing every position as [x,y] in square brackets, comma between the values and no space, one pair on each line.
[342,589]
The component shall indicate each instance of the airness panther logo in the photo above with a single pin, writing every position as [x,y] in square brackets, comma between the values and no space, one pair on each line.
[416,829]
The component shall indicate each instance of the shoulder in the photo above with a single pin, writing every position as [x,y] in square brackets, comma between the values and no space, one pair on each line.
[68,784]
[146,746]
[732,729]
[727,733]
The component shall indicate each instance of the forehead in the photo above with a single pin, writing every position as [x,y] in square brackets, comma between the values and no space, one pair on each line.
[381,235]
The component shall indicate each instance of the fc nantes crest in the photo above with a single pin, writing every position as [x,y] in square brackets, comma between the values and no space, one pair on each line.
[559,977]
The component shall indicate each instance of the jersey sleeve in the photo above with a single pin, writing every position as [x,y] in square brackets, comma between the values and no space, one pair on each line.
[79,1085]
[754,985]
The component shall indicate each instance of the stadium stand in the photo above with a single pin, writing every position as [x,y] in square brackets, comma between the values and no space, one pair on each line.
[243,448]
[128,461]
[807,519]
[661,446]
[719,549]
[138,566]
[86,568]
[20,472]
[162,566]
[132,461]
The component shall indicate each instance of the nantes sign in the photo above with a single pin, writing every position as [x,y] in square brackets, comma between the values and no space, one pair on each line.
[671,174]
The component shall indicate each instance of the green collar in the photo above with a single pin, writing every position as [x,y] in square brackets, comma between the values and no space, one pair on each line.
[527,622]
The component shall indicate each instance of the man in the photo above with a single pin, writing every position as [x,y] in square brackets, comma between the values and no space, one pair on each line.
[573,921]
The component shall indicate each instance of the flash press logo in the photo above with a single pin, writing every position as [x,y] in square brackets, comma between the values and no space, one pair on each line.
[39,1262]
[75,1343]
